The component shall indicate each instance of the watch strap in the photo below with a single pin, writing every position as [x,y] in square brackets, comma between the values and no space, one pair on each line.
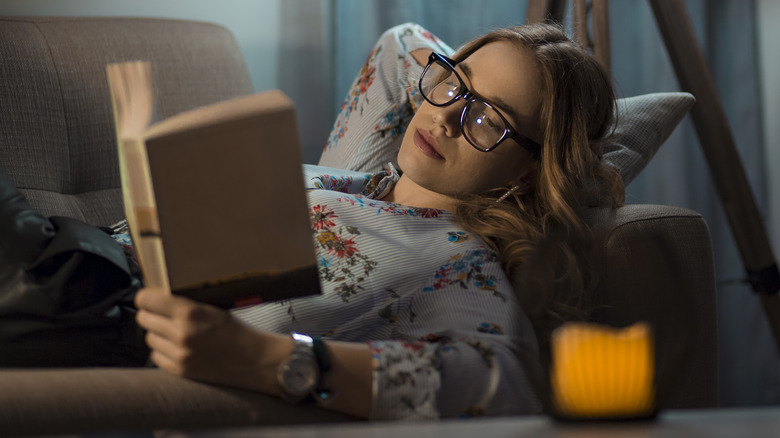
[322,356]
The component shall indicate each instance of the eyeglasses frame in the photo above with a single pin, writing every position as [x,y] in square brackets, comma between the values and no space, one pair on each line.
[509,132]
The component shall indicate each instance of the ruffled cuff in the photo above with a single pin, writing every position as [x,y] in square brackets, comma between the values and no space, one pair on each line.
[406,380]
[382,183]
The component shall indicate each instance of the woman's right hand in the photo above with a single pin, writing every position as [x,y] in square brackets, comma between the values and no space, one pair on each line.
[205,343]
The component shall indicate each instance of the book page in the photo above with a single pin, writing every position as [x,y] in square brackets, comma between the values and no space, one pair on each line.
[132,100]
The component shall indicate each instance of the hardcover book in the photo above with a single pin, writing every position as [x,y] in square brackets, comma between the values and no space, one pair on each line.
[214,197]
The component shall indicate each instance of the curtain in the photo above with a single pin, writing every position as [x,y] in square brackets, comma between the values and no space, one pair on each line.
[333,38]
[749,372]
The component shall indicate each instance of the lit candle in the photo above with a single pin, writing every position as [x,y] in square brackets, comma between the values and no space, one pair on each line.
[602,372]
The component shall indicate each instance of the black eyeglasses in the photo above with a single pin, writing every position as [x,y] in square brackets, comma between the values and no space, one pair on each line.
[481,124]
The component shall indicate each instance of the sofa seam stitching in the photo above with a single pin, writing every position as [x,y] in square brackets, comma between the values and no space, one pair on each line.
[62,105]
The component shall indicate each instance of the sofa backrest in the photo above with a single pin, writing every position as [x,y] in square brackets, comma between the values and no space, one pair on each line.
[57,140]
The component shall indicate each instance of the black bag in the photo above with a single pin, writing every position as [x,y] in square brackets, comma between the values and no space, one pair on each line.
[66,292]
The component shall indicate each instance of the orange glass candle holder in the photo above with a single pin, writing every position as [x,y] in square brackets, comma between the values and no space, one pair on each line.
[601,372]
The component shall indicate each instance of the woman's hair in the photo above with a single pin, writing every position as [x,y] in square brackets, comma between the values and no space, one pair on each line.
[545,245]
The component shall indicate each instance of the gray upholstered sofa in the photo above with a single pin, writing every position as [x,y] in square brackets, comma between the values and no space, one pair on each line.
[57,144]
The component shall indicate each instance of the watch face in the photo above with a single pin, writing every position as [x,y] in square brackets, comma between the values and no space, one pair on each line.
[300,376]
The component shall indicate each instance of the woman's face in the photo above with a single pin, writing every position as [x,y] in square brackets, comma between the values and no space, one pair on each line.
[434,153]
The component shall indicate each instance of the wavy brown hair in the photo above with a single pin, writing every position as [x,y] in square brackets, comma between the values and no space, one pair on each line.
[545,245]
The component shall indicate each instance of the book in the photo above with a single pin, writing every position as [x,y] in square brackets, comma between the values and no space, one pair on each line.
[214,196]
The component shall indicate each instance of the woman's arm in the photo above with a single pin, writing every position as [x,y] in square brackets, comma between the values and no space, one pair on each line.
[383,97]
[204,343]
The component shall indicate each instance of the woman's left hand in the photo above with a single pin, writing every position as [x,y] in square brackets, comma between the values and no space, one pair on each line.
[202,342]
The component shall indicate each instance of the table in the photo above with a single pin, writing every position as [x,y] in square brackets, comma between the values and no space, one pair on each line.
[736,422]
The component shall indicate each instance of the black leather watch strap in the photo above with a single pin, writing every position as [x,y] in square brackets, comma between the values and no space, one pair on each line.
[322,356]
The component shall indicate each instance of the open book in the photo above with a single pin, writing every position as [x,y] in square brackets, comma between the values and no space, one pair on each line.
[214,197]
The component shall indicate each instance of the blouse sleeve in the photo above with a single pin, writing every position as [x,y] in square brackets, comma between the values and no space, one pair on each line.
[475,359]
[383,97]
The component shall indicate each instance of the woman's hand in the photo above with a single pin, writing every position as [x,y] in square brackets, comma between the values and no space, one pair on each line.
[202,342]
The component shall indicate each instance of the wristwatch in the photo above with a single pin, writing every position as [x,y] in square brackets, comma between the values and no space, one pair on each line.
[299,373]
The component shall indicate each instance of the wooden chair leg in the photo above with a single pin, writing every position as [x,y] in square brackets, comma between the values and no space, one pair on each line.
[580,22]
[602,49]
[545,10]
[555,10]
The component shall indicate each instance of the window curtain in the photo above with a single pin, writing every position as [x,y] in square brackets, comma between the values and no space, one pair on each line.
[327,42]
[749,372]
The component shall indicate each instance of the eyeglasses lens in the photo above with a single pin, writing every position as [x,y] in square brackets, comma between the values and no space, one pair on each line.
[482,125]
[439,84]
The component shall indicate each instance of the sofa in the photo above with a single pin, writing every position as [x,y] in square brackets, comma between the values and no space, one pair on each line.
[57,144]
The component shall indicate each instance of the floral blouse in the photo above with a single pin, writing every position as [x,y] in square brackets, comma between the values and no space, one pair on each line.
[448,336]
[431,299]
[447,333]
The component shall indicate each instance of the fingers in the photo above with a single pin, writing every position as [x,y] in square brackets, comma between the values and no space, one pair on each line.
[202,342]
[179,360]
[180,332]
[175,343]
[156,311]
[165,363]
[159,324]
[176,318]
[156,301]
[169,305]
[165,354]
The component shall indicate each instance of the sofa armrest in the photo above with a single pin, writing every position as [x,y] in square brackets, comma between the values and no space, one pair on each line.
[63,401]
[658,267]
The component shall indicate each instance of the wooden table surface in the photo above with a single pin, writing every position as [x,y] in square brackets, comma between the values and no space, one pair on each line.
[742,423]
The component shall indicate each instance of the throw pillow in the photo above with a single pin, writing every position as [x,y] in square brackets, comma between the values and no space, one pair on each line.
[643,125]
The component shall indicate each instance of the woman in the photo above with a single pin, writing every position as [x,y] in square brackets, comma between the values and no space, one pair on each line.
[501,159]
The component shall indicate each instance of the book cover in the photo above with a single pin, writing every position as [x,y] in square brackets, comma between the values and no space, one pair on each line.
[214,196]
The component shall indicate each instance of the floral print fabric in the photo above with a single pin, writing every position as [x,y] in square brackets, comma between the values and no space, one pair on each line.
[382,100]
[431,300]
[446,331]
